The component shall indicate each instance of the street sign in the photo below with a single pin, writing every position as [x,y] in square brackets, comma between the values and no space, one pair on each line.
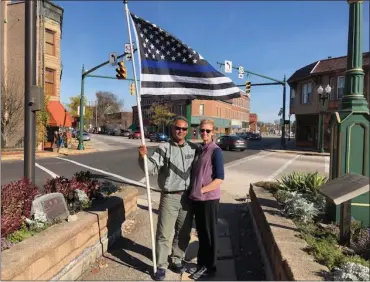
[241,70]
[228,66]
[241,75]
[113,58]
[127,48]
[280,112]
[128,57]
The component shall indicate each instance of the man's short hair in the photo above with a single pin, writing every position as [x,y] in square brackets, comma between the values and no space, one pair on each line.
[176,118]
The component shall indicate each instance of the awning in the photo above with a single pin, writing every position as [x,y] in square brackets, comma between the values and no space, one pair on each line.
[132,126]
[58,116]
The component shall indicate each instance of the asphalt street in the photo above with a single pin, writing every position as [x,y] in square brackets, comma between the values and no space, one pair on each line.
[117,161]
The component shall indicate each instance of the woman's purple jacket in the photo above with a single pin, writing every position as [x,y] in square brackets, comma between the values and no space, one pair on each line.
[208,166]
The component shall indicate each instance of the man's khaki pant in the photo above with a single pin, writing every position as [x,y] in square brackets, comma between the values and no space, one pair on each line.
[175,217]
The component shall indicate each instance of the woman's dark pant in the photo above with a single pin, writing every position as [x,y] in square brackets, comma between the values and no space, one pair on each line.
[206,214]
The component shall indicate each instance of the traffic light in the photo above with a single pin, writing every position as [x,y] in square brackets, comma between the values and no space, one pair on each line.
[132,88]
[121,70]
[248,87]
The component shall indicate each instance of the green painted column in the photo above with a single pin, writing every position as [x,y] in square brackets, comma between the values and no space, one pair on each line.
[350,144]
[188,117]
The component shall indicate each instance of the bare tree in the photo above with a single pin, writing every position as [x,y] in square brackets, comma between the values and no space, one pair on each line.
[108,103]
[12,105]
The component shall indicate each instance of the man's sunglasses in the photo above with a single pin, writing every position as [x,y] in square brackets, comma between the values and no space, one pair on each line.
[205,130]
[181,128]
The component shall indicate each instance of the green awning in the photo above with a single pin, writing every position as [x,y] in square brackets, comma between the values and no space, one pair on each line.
[132,126]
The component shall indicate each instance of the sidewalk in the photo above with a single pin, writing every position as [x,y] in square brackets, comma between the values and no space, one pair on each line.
[130,258]
[292,149]
[238,255]
[19,155]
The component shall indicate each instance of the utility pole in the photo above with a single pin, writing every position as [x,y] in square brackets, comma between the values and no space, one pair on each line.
[29,81]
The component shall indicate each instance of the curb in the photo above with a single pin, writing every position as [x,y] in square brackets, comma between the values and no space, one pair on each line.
[299,152]
[18,157]
[281,242]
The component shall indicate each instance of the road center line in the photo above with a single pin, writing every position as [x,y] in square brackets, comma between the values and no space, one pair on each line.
[130,181]
[52,174]
[282,168]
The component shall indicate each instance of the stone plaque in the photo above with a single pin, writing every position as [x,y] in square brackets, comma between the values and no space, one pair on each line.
[345,188]
[53,205]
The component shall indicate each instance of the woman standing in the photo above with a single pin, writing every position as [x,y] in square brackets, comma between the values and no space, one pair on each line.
[207,176]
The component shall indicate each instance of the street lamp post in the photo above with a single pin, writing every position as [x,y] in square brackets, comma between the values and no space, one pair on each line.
[350,125]
[323,96]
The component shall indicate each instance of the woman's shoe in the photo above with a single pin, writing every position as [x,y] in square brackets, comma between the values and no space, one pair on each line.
[203,272]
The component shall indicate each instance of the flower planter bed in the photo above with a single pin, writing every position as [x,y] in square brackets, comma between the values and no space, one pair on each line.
[280,237]
[64,251]
[305,247]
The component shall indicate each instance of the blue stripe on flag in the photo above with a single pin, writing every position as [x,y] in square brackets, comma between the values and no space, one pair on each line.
[176,66]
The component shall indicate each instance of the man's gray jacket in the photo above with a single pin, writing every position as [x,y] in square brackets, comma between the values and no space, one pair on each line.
[172,163]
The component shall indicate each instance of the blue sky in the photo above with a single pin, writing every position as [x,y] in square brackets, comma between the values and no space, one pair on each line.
[270,38]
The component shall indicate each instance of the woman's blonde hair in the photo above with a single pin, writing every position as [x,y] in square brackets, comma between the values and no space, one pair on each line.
[208,121]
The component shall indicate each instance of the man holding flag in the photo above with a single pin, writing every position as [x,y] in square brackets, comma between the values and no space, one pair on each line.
[172,162]
[170,68]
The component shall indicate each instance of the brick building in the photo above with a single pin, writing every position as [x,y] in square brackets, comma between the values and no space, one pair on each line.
[49,67]
[304,100]
[229,116]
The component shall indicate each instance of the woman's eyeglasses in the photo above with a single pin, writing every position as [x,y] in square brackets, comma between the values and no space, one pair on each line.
[181,128]
[205,130]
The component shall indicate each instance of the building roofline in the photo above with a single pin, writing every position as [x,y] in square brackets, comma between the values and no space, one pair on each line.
[312,72]
[318,62]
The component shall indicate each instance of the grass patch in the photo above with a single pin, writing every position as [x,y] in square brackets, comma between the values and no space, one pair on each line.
[23,233]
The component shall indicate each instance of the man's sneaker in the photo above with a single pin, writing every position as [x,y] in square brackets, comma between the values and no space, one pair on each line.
[160,274]
[178,268]
[202,273]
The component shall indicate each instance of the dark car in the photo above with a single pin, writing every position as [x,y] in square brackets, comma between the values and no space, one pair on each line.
[256,136]
[248,135]
[135,135]
[231,142]
[158,137]
[125,133]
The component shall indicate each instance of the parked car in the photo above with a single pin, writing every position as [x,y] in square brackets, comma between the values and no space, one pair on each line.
[256,136]
[85,136]
[158,137]
[149,134]
[125,133]
[247,135]
[135,135]
[231,142]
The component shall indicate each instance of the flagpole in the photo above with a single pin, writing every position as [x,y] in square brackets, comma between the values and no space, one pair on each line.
[138,100]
